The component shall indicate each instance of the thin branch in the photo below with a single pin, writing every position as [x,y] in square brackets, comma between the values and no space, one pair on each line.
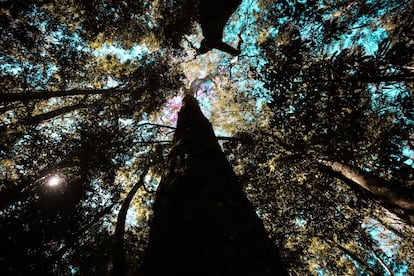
[45,94]
[37,119]
[154,142]
[224,138]
[156,125]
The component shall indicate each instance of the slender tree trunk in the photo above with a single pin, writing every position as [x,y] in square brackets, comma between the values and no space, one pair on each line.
[399,202]
[381,261]
[203,223]
[119,258]
[352,255]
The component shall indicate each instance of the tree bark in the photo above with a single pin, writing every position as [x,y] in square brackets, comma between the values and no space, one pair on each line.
[203,223]
[119,258]
[399,202]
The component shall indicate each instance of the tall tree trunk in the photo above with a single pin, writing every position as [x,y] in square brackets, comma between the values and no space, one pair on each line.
[119,258]
[203,223]
[398,201]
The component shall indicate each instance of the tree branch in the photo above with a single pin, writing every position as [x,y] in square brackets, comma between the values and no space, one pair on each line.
[156,125]
[376,186]
[44,95]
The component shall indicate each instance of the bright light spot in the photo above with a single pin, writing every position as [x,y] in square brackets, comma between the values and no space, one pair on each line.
[54,181]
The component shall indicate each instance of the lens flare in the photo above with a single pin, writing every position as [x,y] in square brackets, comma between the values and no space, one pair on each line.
[54,181]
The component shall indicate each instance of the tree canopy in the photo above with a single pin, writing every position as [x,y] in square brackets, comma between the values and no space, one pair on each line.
[315,115]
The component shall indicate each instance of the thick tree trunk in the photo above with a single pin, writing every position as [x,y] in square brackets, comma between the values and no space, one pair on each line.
[399,202]
[203,223]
